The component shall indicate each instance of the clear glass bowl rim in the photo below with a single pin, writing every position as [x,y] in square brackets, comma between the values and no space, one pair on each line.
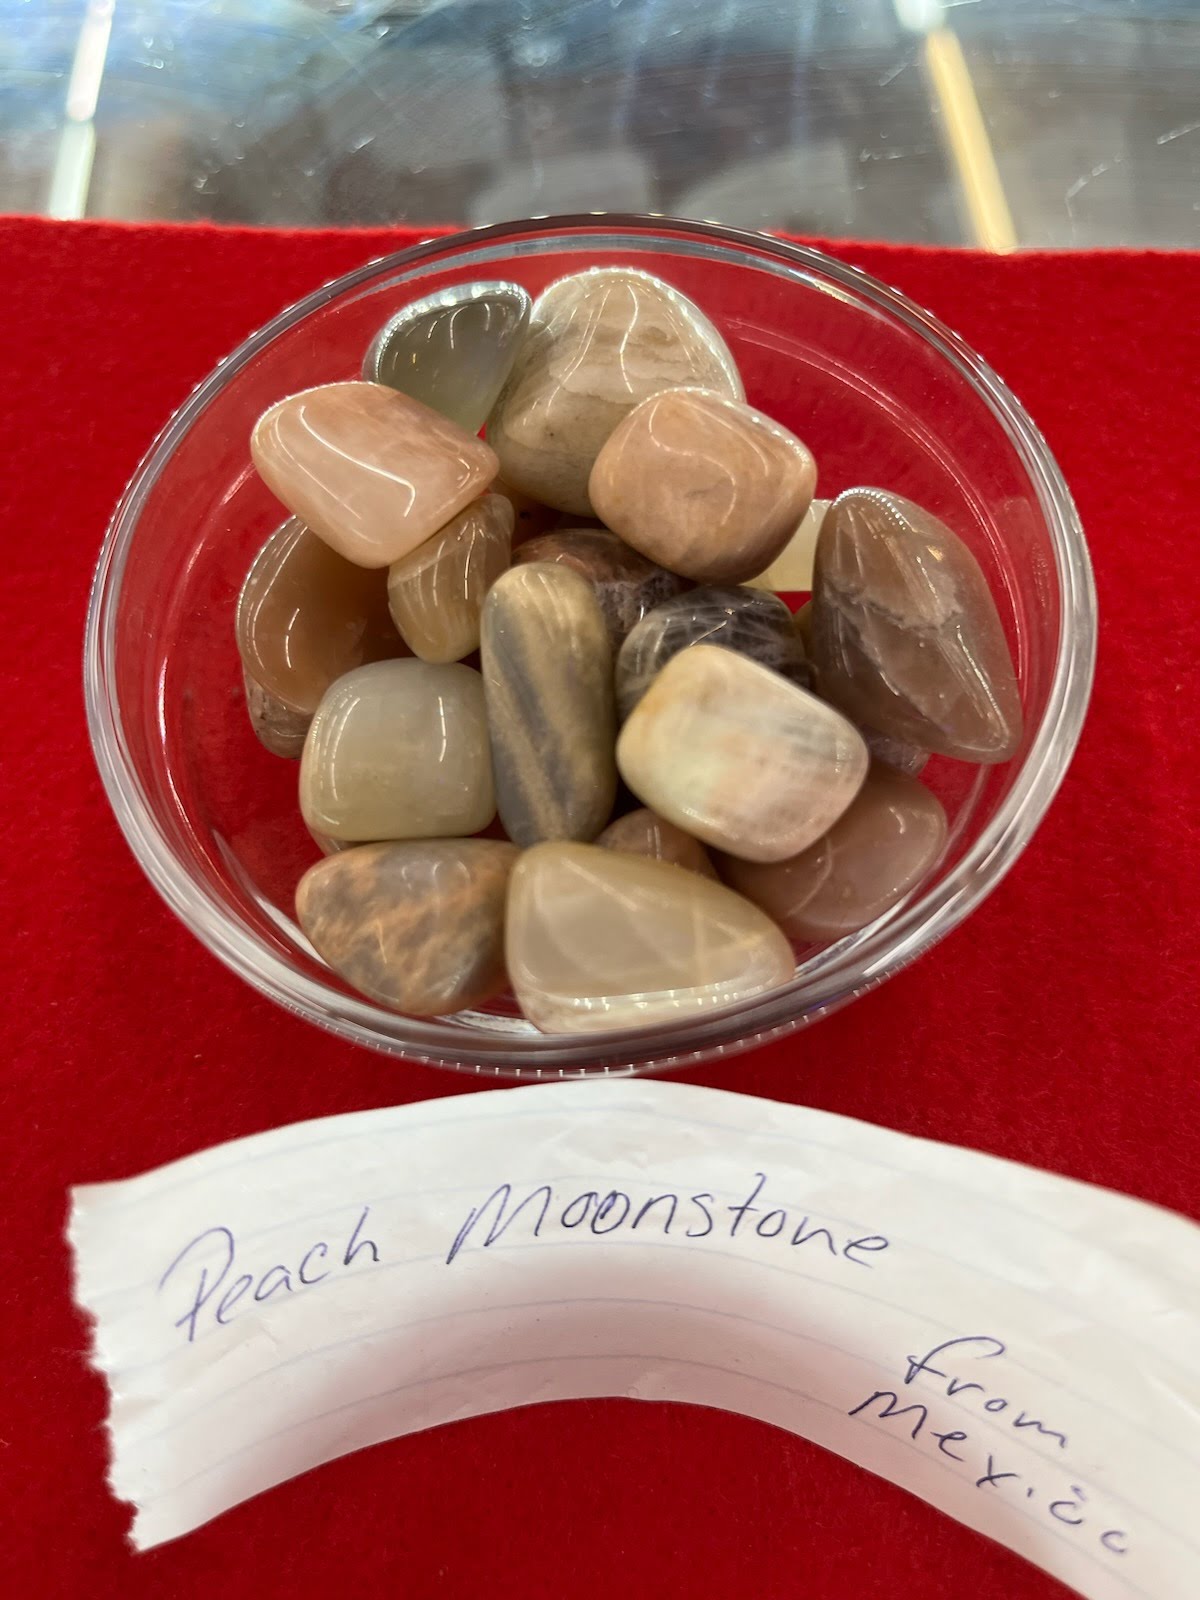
[834,976]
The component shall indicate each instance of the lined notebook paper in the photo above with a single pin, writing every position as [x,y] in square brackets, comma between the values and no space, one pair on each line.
[1020,1350]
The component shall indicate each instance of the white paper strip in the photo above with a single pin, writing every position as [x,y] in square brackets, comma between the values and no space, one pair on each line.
[1020,1350]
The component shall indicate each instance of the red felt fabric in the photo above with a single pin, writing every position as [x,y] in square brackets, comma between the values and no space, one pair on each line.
[1059,1027]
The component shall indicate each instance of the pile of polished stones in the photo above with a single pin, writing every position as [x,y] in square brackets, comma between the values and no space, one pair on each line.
[556,730]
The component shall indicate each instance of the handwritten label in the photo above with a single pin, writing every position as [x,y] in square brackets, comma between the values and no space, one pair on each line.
[1021,1351]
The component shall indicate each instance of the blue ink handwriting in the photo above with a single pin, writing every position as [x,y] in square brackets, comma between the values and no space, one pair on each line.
[206,1263]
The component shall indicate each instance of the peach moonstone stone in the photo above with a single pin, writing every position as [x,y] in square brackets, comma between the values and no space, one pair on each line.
[417,926]
[703,485]
[739,757]
[371,471]
[597,940]
[399,750]
[306,615]
[436,592]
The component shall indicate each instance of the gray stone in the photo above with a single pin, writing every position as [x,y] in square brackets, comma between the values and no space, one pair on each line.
[452,350]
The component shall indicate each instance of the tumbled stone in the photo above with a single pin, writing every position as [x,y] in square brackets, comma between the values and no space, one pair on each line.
[418,927]
[906,637]
[453,349]
[791,572]
[754,624]
[278,727]
[641,833]
[740,758]
[547,673]
[306,615]
[702,484]
[599,940]
[372,472]
[399,750]
[598,343]
[803,621]
[625,583]
[881,847]
[436,591]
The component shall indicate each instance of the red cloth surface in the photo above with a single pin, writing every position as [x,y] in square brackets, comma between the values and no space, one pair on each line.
[1058,1027]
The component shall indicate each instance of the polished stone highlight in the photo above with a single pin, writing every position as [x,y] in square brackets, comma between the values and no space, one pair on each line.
[599,342]
[399,750]
[740,758]
[547,670]
[642,833]
[600,940]
[437,591]
[878,850]
[905,633]
[452,350]
[372,472]
[703,485]
[306,615]
[625,583]
[754,624]
[418,927]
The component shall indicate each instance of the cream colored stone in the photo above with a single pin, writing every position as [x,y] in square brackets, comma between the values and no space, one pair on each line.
[598,343]
[399,750]
[436,592]
[703,485]
[738,757]
[370,471]
[599,940]
[791,572]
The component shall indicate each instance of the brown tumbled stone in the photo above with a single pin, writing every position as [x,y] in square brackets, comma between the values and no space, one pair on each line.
[416,926]
[905,634]
[306,615]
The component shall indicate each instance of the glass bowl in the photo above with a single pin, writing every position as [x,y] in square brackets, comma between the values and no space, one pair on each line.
[880,391]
